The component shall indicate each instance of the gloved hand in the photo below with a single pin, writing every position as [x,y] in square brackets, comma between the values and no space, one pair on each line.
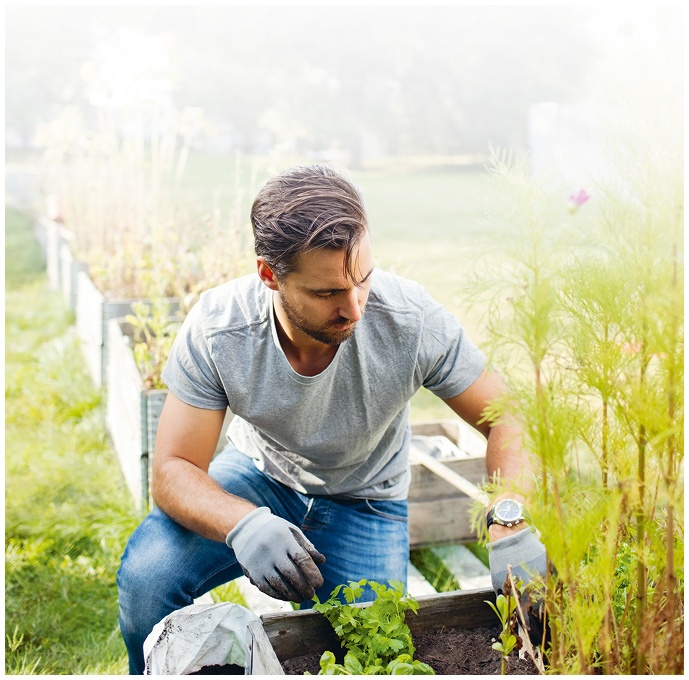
[276,556]
[523,551]
[525,554]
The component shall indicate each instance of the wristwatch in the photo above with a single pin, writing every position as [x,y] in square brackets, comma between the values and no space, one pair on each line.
[507,512]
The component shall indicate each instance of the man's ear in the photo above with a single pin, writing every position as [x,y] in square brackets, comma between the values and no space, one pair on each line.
[266,274]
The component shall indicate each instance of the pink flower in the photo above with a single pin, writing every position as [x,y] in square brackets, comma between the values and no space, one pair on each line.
[577,199]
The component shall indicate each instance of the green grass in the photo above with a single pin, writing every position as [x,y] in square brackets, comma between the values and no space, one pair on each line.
[67,512]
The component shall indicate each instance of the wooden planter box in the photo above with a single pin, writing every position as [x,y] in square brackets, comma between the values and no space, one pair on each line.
[292,634]
[69,269]
[133,413]
[438,511]
[93,312]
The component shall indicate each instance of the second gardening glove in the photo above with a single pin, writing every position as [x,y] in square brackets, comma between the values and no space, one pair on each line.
[525,554]
[523,551]
[276,556]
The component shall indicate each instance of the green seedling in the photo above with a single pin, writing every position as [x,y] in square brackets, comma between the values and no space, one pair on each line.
[505,608]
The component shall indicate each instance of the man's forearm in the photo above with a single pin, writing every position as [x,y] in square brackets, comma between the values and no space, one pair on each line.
[509,465]
[507,462]
[193,499]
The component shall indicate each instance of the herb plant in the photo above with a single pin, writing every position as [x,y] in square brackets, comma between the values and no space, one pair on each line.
[377,639]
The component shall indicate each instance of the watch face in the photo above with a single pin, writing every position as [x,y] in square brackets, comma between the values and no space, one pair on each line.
[508,510]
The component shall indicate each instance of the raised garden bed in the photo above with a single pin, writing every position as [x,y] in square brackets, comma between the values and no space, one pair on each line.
[452,632]
[69,268]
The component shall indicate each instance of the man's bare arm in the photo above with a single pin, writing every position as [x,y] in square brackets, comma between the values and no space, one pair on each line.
[505,457]
[185,444]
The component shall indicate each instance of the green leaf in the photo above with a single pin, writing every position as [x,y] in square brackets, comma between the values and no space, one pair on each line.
[352,664]
[421,668]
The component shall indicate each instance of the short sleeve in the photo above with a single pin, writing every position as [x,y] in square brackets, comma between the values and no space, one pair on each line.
[190,373]
[448,360]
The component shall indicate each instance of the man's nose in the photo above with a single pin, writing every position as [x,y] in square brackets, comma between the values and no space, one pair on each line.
[352,307]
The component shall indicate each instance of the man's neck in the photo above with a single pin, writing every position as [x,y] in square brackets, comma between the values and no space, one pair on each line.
[306,356]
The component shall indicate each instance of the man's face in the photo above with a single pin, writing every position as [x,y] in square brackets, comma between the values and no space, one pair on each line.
[320,300]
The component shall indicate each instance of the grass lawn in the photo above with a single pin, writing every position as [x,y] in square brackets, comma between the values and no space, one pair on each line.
[67,512]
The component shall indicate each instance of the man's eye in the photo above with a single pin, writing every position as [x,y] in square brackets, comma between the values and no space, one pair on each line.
[324,296]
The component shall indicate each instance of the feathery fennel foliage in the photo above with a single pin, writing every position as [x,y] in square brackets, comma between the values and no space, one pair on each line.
[585,314]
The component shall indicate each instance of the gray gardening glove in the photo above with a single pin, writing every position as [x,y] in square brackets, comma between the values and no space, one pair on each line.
[523,551]
[276,556]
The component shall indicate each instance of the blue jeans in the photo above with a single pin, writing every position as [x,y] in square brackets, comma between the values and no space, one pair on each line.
[165,567]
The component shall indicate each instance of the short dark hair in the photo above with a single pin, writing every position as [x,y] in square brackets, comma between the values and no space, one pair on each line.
[307,208]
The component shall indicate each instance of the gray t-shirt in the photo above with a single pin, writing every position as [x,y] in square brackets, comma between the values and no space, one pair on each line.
[344,431]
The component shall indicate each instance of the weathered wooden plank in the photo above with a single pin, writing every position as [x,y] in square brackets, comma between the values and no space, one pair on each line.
[93,314]
[465,437]
[53,241]
[445,520]
[302,632]
[456,609]
[124,406]
[427,484]
[307,631]
[88,324]
[69,270]
[452,477]
[448,428]
[417,584]
[262,658]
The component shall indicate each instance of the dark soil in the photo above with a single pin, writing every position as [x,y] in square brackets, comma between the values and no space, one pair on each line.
[226,669]
[449,651]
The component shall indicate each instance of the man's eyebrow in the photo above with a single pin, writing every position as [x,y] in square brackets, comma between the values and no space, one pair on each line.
[358,284]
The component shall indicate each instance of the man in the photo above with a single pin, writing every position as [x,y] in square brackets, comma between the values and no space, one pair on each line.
[317,355]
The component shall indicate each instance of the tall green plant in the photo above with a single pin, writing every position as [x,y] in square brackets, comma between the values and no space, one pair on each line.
[586,321]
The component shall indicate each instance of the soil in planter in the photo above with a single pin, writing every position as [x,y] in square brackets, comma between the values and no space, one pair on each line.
[449,651]
[225,669]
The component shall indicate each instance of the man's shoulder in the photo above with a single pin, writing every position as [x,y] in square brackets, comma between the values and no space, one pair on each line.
[235,304]
[393,292]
